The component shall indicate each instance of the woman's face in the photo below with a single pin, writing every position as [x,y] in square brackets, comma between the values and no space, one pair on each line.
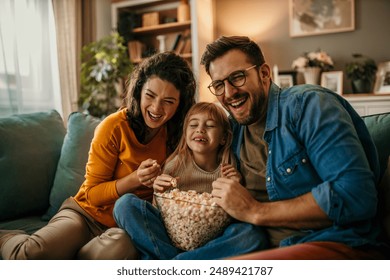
[159,102]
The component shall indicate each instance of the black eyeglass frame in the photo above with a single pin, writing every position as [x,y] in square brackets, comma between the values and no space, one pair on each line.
[230,80]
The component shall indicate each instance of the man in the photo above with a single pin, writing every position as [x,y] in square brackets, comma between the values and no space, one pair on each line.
[309,164]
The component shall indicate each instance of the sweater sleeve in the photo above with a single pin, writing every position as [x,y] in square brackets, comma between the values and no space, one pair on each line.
[100,187]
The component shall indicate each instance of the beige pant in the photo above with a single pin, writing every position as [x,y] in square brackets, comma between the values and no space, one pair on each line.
[71,234]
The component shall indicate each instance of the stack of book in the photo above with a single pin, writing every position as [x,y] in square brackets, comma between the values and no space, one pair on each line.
[136,48]
[182,44]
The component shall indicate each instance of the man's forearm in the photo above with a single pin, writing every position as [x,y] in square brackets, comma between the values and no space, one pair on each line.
[298,213]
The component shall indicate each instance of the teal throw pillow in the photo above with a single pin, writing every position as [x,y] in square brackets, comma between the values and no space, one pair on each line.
[379,127]
[74,156]
[30,146]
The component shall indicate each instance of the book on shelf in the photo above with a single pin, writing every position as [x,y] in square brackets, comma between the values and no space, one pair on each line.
[176,42]
[187,46]
[136,49]
[184,44]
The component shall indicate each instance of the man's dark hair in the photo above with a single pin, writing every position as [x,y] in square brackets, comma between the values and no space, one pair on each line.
[224,44]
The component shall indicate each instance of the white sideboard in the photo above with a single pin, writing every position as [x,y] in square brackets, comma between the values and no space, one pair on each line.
[369,104]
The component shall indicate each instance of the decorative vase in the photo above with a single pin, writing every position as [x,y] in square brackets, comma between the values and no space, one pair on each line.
[312,75]
[183,11]
[161,43]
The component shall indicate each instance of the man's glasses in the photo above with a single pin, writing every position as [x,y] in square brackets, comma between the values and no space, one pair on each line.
[235,79]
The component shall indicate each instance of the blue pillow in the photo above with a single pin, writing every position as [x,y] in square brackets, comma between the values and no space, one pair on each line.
[74,156]
[379,127]
[30,146]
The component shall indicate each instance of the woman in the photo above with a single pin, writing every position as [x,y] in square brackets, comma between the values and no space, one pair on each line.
[125,156]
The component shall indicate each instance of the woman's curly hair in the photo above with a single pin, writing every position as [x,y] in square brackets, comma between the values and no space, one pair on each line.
[169,67]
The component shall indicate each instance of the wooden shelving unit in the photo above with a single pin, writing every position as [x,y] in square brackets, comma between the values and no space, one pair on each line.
[202,15]
[163,28]
[145,38]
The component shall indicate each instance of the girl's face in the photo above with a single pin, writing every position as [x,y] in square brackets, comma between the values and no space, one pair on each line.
[204,135]
[159,102]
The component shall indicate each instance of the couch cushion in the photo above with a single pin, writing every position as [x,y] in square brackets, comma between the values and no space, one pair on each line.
[74,156]
[29,224]
[384,201]
[379,128]
[30,146]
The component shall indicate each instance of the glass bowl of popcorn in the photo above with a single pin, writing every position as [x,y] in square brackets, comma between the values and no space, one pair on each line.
[191,218]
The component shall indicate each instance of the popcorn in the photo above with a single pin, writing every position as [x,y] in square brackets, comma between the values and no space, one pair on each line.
[191,219]
[173,182]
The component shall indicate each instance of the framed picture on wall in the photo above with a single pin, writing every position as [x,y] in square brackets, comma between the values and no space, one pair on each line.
[333,80]
[382,82]
[286,79]
[315,17]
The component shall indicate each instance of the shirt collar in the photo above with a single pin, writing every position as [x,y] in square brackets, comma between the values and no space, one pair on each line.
[273,108]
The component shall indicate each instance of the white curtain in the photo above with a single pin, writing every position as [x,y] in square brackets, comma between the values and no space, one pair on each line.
[29,79]
[69,39]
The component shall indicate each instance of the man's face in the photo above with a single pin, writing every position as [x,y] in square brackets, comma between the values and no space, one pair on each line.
[247,103]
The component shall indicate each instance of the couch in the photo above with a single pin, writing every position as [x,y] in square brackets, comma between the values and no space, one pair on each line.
[42,163]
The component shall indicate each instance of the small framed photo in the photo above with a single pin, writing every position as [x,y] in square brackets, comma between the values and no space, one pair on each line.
[286,79]
[382,82]
[316,17]
[333,80]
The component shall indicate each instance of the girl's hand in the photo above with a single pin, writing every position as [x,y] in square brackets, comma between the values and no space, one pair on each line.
[164,182]
[229,171]
[148,171]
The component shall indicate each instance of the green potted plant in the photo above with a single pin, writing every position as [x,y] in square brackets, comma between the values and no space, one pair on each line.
[105,66]
[361,71]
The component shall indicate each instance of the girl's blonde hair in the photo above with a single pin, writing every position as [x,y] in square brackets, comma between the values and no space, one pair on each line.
[215,112]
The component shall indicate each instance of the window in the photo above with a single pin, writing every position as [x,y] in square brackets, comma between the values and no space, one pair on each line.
[29,79]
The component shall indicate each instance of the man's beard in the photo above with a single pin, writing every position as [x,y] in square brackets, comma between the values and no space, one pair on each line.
[257,111]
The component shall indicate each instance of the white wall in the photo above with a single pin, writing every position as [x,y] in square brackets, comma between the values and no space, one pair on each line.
[267,23]
[103,18]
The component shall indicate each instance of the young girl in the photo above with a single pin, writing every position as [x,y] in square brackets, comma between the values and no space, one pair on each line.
[202,156]
[125,156]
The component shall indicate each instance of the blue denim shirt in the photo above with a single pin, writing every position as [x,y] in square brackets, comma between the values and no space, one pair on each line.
[317,143]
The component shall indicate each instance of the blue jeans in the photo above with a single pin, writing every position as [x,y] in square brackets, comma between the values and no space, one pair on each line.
[143,222]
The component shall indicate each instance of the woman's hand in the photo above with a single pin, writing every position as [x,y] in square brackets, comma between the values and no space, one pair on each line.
[164,182]
[148,171]
[229,171]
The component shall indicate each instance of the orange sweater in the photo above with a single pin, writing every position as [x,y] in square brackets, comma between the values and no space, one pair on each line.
[114,153]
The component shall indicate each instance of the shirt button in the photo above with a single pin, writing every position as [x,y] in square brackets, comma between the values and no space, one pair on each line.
[303,160]
[268,179]
[269,152]
[288,170]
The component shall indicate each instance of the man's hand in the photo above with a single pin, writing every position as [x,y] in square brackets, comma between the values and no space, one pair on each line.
[301,212]
[234,199]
